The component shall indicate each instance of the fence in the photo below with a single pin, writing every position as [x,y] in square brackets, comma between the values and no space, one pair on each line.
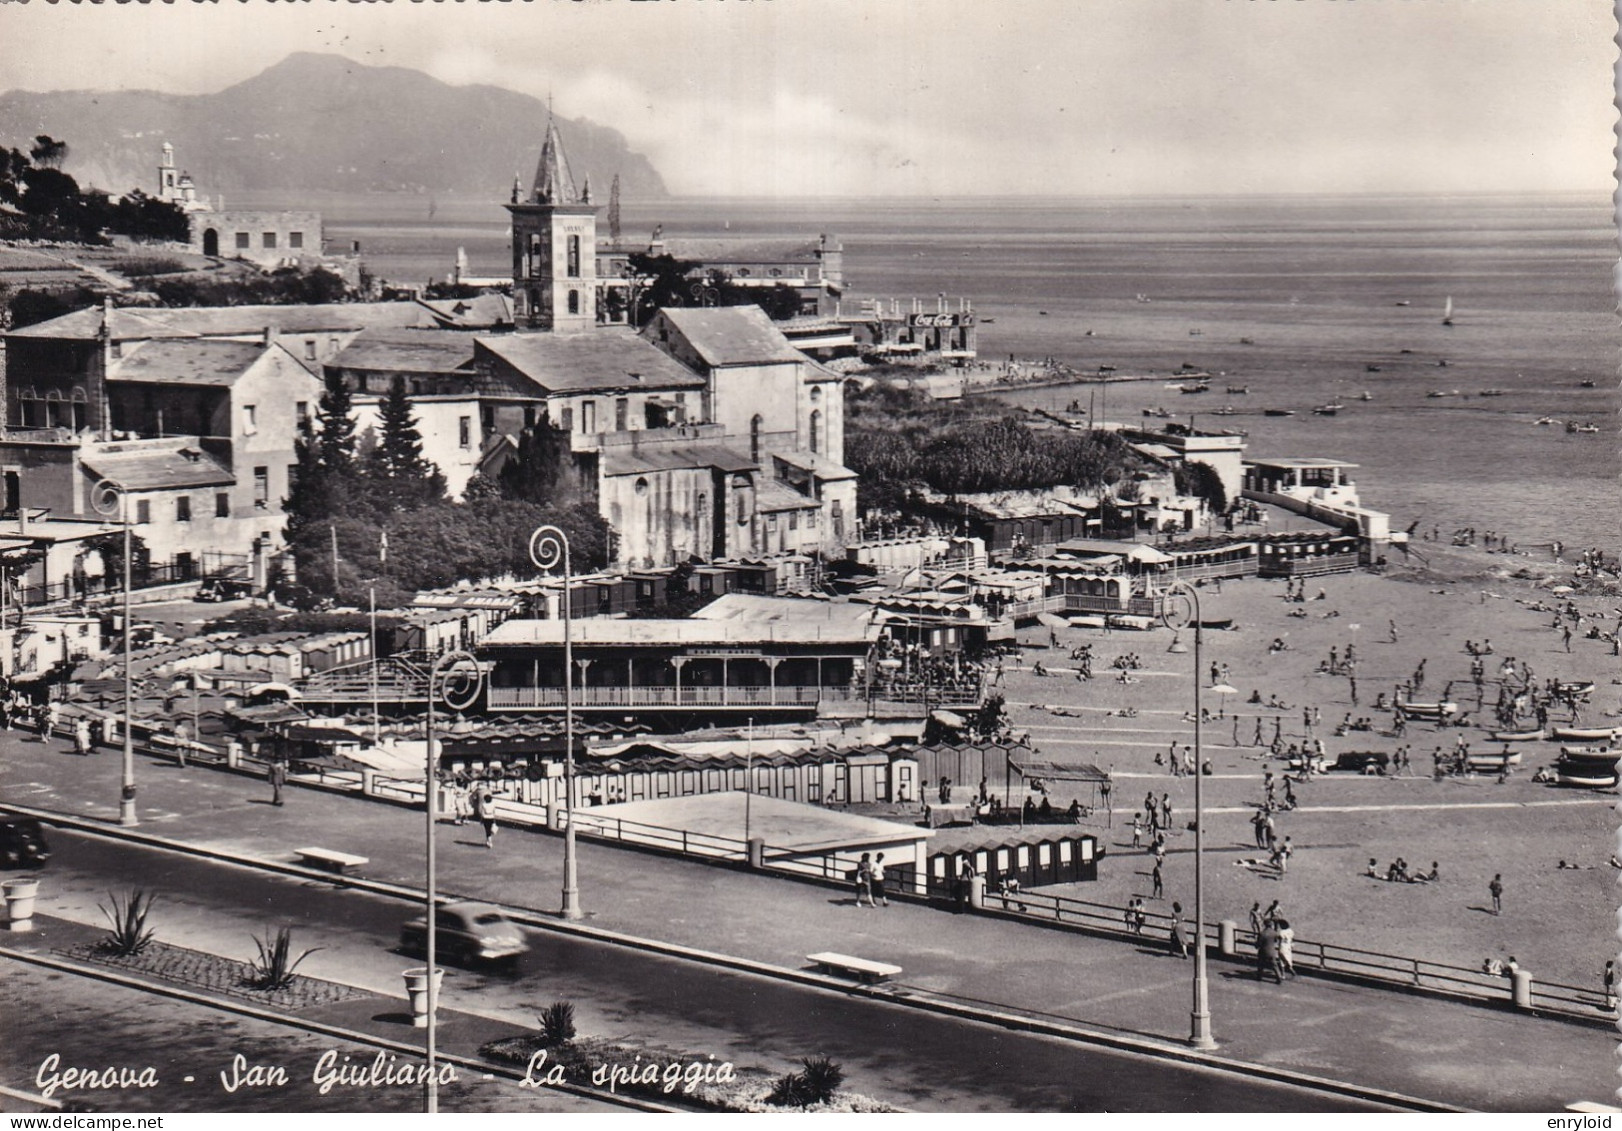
[1310,956]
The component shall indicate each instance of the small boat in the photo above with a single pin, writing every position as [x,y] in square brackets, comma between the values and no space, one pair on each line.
[1252,341]
[1156,412]
[1436,394]
[1441,363]
[1428,710]
[1492,392]
[1447,312]
[987,321]
[1225,410]
[1197,387]
[1585,384]
[1278,412]
[1547,420]
[1195,333]
[1327,409]
[1582,777]
[1371,369]
[1365,395]
[1488,762]
[1238,390]
[1599,752]
[1573,426]
[1403,302]
[1586,734]
[1516,735]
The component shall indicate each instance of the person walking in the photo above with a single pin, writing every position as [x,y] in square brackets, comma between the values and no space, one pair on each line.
[1566,635]
[1178,938]
[1496,889]
[1137,831]
[484,807]
[1281,857]
[864,880]
[1158,882]
[1267,955]
[277,775]
[81,736]
[1286,947]
[1256,919]
[878,893]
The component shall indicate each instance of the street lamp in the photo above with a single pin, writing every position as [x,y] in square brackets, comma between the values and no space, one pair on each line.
[549,547]
[1188,598]
[457,679]
[109,497]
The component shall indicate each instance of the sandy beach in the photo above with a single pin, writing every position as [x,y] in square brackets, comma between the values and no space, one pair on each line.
[1557,922]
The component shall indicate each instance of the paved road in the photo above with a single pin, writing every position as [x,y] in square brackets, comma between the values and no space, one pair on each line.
[1464,1055]
[888,1051]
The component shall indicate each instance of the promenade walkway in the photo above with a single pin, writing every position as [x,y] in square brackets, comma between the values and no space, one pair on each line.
[1464,1055]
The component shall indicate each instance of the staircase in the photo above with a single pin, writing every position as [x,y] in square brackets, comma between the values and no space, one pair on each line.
[401,678]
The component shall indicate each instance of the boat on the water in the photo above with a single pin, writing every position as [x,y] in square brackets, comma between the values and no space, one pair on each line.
[1238,390]
[1225,410]
[1447,312]
[1573,426]
[1327,409]
[1516,735]
[1585,384]
[1157,412]
[1196,387]
[1278,412]
[1492,392]
[1437,393]
[1547,420]
[1403,302]
[1371,369]
[1365,395]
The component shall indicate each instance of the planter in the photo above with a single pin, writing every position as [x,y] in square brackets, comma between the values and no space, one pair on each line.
[416,981]
[20,896]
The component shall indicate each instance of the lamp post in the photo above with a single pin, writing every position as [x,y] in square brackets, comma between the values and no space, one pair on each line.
[457,679]
[109,497]
[549,547]
[1176,619]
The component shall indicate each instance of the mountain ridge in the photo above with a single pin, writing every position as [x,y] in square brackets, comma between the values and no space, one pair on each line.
[398,130]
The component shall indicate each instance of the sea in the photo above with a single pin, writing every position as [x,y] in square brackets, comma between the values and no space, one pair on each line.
[1302,301]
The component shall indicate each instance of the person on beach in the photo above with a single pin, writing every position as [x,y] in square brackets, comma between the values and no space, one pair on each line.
[1286,948]
[1267,955]
[878,892]
[81,736]
[1137,831]
[864,880]
[1158,882]
[1256,919]
[1393,632]
[1496,890]
[277,776]
[1178,939]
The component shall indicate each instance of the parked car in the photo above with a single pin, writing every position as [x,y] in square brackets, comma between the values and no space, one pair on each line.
[466,933]
[22,843]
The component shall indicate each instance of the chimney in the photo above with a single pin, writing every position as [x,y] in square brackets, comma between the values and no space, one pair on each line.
[270,336]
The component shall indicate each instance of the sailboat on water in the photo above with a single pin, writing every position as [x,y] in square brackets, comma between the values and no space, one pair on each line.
[1447,312]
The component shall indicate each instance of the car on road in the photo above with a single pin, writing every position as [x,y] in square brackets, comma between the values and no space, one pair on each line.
[466,932]
[22,843]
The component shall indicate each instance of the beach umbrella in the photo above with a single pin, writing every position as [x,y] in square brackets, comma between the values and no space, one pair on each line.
[1224,689]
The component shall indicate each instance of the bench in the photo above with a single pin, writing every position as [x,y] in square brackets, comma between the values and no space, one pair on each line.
[327,859]
[866,970]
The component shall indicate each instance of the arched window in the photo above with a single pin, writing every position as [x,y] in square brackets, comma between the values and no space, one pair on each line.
[816,430]
[574,257]
[574,299]
[754,438]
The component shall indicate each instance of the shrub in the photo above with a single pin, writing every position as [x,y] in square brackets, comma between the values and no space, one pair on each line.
[274,968]
[815,1084]
[557,1023]
[129,935]
[137,266]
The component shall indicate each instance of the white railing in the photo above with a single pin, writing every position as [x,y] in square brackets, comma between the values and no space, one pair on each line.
[784,695]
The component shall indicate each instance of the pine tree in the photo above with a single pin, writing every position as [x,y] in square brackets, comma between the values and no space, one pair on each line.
[543,470]
[614,209]
[401,478]
[337,424]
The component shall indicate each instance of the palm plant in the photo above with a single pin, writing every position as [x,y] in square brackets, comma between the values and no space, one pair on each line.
[557,1023]
[275,966]
[129,935]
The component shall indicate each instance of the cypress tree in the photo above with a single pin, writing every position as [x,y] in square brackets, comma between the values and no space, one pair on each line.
[402,478]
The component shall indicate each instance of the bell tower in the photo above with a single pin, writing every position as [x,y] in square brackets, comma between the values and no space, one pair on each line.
[168,186]
[554,246]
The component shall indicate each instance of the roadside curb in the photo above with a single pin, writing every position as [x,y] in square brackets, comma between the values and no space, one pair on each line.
[901,997]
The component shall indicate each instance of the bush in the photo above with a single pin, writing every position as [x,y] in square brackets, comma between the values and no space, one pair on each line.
[815,1084]
[129,935]
[138,266]
[274,968]
[557,1023]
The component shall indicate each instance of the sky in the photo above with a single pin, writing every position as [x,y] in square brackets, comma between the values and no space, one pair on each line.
[950,97]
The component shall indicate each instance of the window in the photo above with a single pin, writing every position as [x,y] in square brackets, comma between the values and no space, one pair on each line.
[143,510]
[222,504]
[568,420]
[573,269]
[250,420]
[816,430]
[464,431]
[641,486]
[622,412]
[588,416]
[268,241]
[302,410]
[574,302]
[261,487]
[793,520]
[309,349]
[183,509]
[244,241]
[295,239]
[117,348]
[754,437]
[292,476]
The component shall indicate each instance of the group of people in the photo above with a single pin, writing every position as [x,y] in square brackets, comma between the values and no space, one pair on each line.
[870,878]
[1275,942]
[1397,872]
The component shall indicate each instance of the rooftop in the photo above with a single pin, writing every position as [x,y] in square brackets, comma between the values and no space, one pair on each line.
[407,350]
[186,361]
[788,827]
[639,458]
[602,359]
[732,335]
[155,469]
[228,321]
[1287,462]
